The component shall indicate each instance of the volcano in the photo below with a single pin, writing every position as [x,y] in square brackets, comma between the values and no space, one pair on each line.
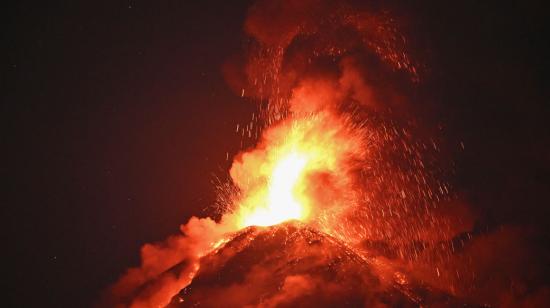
[293,265]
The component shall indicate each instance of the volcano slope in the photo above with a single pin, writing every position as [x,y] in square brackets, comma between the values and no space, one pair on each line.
[291,265]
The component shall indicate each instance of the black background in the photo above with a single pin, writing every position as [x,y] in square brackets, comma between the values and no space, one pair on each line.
[117,117]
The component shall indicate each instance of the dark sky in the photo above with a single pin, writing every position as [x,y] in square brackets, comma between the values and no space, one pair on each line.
[118,117]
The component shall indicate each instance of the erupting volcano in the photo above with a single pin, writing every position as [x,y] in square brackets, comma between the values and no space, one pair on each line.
[341,202]
[292,265]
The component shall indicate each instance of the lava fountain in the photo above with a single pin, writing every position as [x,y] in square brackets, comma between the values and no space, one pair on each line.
[279,180]
[283,202]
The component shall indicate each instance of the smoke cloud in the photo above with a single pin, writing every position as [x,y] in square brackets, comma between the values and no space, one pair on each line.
[168,266]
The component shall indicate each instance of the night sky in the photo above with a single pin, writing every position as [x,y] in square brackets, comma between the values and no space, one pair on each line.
[118,119]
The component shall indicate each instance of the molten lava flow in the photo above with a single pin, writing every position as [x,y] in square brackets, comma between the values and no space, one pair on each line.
[282,201]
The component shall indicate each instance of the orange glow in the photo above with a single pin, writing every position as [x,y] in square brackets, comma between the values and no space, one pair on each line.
[300,163]
[283,202]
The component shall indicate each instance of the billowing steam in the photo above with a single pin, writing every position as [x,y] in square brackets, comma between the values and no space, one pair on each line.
[337,150]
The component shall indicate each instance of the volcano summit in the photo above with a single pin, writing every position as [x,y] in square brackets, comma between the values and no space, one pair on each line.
[292,265]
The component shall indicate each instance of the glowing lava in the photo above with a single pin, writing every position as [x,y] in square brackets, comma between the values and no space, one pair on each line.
[299,164]
[282,200]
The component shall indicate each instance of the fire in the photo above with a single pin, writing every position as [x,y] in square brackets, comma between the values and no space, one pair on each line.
[301,163]
[283,202]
